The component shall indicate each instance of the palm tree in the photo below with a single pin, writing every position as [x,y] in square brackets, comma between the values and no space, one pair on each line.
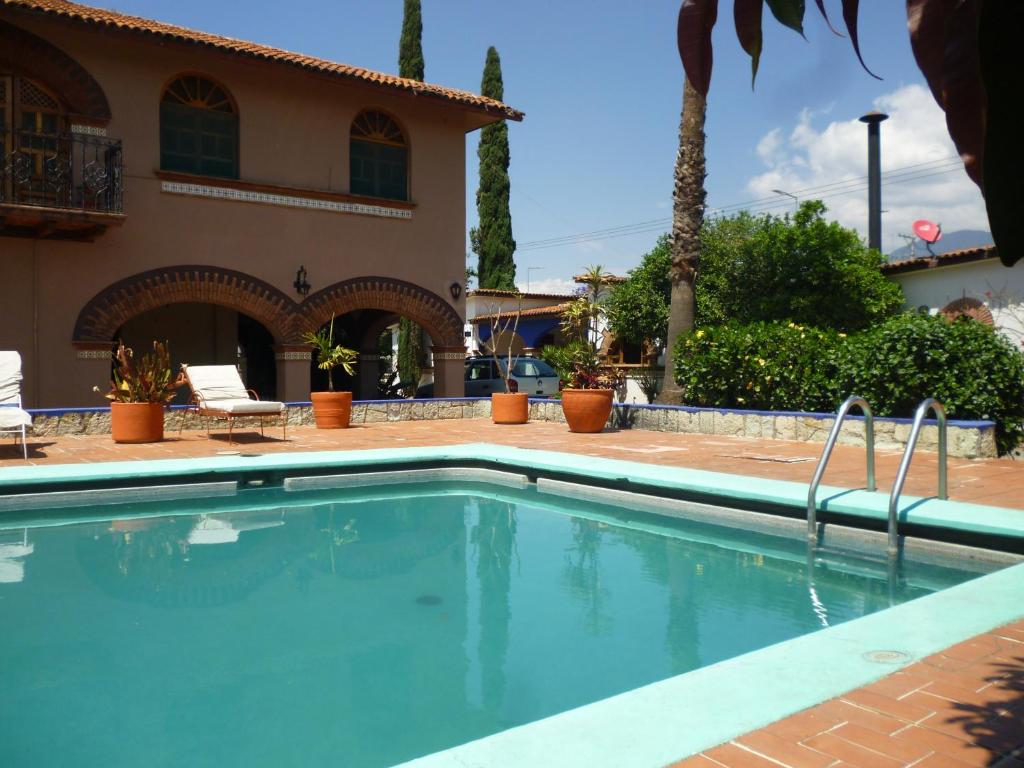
[687,218]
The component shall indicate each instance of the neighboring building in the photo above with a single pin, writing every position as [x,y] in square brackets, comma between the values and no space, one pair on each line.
[971,282]
[161,183]
[539,323]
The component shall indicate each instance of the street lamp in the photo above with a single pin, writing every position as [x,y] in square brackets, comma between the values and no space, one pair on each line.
[796,200]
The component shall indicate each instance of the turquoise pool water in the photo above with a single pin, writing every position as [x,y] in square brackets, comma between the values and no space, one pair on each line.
[366,627]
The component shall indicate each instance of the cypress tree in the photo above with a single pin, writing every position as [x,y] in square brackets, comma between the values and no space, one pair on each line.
[410,64]
[492,238]
[410,48]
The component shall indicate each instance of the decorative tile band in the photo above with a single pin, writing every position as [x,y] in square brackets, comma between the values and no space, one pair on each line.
[93,354]
[287,201]
[89,130]
[449,355]
[292,355]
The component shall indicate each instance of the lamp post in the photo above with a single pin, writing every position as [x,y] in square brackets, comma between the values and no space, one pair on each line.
[796,200]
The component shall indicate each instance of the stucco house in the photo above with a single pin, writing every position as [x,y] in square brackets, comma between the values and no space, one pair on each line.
[162,183]
[971,281]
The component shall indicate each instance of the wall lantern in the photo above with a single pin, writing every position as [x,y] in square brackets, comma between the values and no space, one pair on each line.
[301,284]
[456,290]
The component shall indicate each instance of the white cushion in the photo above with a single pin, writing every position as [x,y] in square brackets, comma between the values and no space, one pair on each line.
[216,382]
[14,418]
[10,377]
[241,405]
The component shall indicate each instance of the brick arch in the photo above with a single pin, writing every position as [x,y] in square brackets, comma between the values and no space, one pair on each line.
[968,307]
[115,305]
[32,56]
[427,309]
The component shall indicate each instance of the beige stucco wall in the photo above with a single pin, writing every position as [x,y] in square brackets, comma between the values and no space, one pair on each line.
[999,288]
[293,132]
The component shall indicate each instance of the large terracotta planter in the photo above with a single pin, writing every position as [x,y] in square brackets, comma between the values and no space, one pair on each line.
[332,410]
[137,422]
[586,410]
[510,408]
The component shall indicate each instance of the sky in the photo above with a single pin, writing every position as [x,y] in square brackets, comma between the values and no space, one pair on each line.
[601,85]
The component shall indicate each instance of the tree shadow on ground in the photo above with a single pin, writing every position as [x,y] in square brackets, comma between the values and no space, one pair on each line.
[997,724]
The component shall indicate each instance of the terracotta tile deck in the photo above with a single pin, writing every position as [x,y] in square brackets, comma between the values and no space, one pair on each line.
[961,707]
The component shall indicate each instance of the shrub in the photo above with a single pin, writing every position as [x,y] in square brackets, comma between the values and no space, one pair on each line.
[970,368]
[802,269]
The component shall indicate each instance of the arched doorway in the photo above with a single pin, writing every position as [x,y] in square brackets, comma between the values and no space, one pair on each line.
[208,334]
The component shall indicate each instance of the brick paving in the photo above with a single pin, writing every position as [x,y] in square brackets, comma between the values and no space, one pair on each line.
[961,707]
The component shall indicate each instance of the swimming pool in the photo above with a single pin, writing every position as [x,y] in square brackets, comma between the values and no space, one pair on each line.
[378,622]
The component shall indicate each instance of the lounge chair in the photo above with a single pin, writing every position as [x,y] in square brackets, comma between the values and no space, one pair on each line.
[12,417]
[218,393]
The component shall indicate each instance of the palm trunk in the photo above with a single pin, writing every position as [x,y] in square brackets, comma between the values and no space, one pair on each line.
[687,219]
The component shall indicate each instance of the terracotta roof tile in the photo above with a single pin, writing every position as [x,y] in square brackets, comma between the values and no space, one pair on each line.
[99,17]
[512,294]
[963,256]
[552,311]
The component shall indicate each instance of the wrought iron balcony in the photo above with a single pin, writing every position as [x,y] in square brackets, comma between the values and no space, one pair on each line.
[65,186]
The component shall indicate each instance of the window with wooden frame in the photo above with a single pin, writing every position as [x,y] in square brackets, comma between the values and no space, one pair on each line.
[33,123]
[625,353]
[378,157]
[198,128]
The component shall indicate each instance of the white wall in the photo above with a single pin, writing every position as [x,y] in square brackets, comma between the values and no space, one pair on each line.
[999,288]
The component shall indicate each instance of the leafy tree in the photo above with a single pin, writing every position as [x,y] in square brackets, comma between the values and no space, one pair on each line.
[410,352]
[411,65]
[410,47]
[803,269]
[492,239]
[637,310]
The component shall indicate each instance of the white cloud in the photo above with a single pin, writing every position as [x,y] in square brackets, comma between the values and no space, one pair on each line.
[914,135]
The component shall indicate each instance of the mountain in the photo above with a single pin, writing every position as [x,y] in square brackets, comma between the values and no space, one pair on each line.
[951,241]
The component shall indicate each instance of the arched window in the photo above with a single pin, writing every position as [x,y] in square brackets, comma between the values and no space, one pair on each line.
[198,128]
[378,157]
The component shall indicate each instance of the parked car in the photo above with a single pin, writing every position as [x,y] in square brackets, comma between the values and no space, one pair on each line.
[530,374]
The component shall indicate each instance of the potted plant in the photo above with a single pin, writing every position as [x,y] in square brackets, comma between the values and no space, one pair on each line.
[510,406]
[332,410]
[140,389]
[588,393]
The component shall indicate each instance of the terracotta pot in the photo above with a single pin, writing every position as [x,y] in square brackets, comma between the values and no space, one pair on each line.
[510,407]
[332,410]
[586,410]
[137,422]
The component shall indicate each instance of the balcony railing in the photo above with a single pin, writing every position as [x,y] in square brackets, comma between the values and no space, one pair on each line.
[72,172]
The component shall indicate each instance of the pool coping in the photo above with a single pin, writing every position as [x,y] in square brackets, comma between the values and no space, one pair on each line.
[683,715]
[871,507]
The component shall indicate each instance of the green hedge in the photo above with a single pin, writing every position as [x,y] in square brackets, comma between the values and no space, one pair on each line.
[972,370]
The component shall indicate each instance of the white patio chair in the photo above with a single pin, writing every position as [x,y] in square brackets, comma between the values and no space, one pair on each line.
[218,393]
[12,417]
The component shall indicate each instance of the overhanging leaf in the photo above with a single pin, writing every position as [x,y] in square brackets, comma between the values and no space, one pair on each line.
[747,15]
[824,14]
[850,14]
[963,97]
[789,13]
[1003,167]
[927,21]
[693,35]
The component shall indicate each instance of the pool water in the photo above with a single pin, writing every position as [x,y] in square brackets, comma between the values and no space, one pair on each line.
[366,627]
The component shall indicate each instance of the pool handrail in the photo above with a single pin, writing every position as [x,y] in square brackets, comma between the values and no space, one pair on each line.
[930,404]
[826,453]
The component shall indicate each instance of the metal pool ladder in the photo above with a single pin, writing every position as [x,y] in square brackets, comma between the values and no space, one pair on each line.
[931,404]
[819,471]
